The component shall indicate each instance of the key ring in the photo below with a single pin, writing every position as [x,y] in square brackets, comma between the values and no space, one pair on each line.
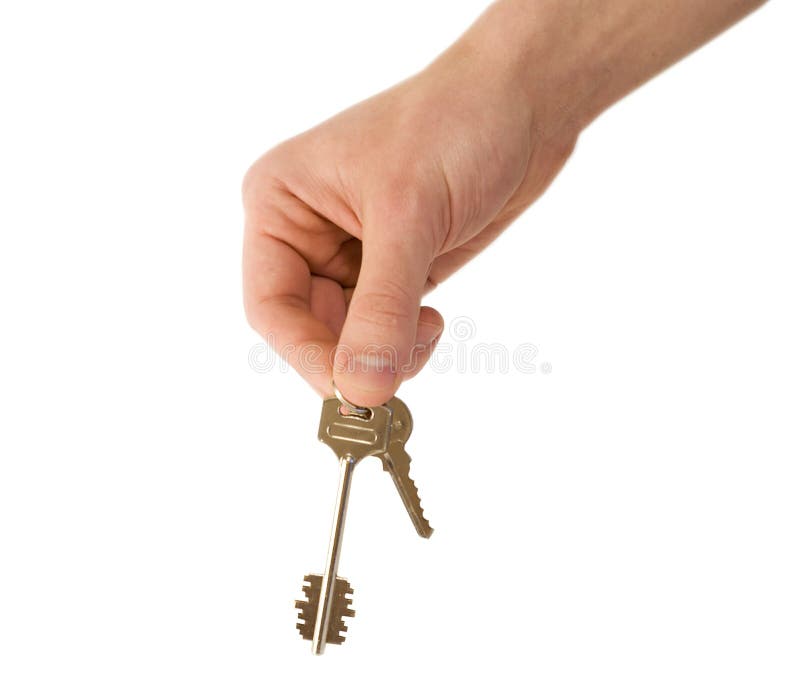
[363,412]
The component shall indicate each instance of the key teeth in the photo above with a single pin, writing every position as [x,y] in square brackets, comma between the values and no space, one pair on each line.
[340,609]
[397,463]
[426,530]
[419,501]
[416,496]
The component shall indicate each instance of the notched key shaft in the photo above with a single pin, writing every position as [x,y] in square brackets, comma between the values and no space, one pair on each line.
[340,608]
[397,462]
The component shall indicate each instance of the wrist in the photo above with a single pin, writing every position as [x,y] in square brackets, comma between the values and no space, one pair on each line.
[571,59]
[539,52]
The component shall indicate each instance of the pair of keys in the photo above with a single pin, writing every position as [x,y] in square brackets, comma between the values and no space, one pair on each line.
[354,433]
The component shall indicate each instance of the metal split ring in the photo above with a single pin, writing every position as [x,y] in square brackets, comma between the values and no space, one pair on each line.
[352,410]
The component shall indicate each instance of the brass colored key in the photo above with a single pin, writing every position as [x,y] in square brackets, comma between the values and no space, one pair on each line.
[397,463]
[353,433]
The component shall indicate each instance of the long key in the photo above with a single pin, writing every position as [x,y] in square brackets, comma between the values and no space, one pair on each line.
[352,437]
[397,463]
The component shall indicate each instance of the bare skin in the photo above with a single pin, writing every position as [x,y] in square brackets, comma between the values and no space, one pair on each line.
[349,224]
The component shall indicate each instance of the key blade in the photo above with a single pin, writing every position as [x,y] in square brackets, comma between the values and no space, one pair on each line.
[327,596]
[397,463]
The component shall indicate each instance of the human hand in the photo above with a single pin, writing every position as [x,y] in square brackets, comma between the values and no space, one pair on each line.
[350,223]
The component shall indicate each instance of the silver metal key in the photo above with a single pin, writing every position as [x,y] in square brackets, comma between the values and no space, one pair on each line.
[397,463]
[352,435]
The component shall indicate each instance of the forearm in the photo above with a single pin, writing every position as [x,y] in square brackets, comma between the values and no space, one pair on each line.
[572,59]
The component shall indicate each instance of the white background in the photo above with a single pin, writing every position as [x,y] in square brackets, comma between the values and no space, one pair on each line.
[630,519]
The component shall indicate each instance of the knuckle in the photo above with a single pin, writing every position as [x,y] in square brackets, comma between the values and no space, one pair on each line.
[256,317]
[412,201]
[255,321]
[390,308]
[265,174]
[254,177]
[403,198]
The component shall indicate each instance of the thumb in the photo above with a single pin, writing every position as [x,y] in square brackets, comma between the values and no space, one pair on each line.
[380,332]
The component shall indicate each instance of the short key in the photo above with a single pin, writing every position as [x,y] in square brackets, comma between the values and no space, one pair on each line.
[397,463]
[353,436]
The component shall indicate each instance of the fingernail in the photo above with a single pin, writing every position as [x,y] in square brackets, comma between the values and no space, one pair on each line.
[427,332]
[368,372]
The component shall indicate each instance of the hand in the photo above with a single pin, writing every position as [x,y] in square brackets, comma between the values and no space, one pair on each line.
[350,223]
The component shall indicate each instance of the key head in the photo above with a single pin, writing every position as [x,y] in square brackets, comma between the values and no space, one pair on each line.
[402,423]
[353,435]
